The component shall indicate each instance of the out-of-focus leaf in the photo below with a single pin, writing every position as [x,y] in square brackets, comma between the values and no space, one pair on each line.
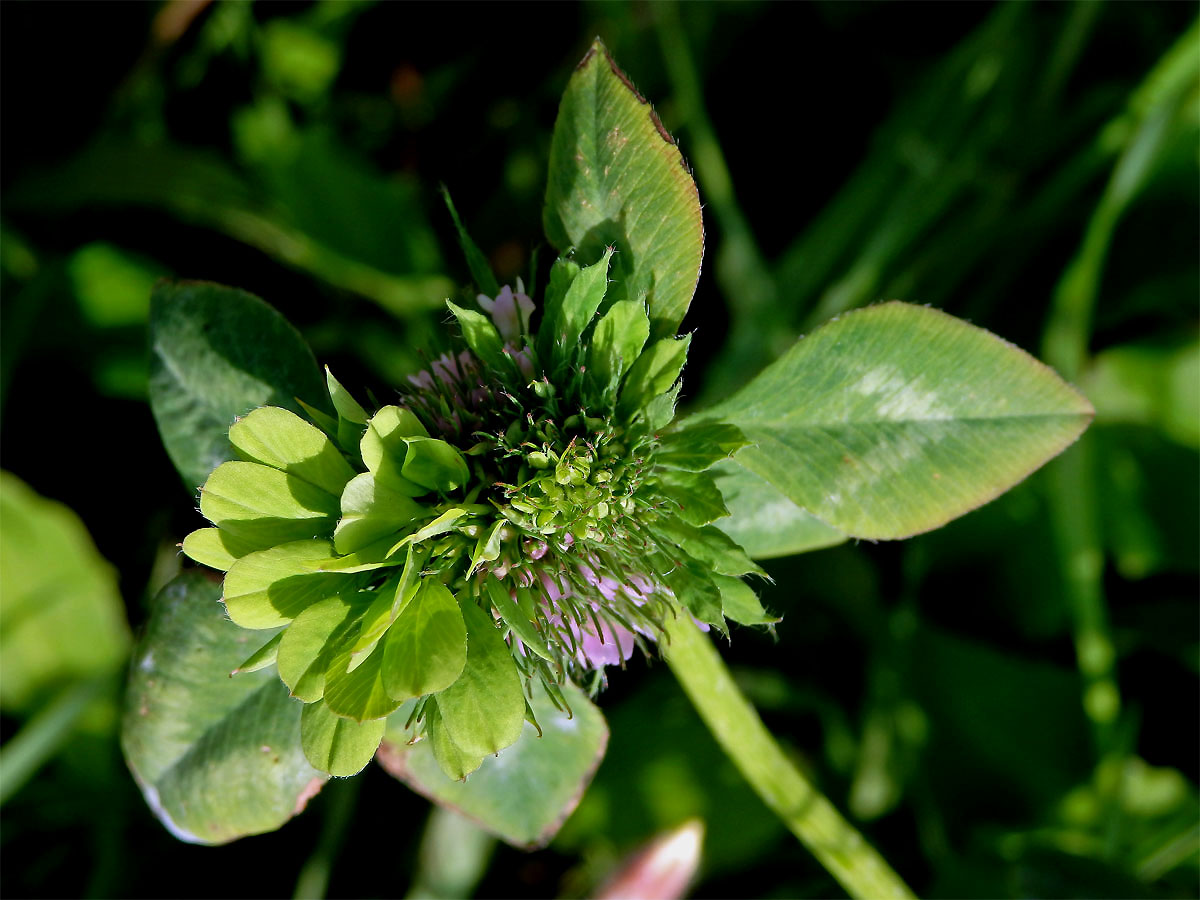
[895,419]
[1147,385]
[617,178]
[485,279]
[61,616]
[217,757]
[1148,498]
[201,189]
[216,354]
[1160,111]
[523,794]
[112,286]
[340,201]
[999,711]
[298,60]
[454,856]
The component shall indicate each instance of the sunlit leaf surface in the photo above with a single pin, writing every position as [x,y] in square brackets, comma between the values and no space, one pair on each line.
[895,419]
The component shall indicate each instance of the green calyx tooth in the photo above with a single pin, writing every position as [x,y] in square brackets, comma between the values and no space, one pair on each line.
[616,343]
[652,375]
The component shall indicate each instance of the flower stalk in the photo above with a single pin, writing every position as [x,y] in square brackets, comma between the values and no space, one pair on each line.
[808,814]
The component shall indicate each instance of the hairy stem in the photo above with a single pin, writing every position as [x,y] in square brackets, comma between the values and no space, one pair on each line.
[807,813]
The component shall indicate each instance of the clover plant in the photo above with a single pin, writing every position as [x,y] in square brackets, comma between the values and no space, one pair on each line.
[446,578]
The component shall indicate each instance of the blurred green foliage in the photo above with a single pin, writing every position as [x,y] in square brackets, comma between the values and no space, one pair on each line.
[1008,705]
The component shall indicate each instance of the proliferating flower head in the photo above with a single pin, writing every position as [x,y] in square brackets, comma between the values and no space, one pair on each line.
[522,513]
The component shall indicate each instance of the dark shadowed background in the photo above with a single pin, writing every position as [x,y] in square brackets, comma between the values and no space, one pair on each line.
[1007,707]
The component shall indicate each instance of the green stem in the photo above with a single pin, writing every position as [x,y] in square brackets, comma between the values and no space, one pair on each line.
[42,735]
[453,858]
[342,797]
[808,814]
[1144,133]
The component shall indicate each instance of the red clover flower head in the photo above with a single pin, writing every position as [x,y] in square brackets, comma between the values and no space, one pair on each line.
[523,513]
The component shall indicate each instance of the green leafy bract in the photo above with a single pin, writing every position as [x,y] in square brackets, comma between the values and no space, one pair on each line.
[282,440]
[398,450]
[568,313]
[617,341]
[307,646]
[371,512]
[652,375]
[265,506]
[740,603]
[516,618]
[337,745]
[692,583]
[480,335]
[707,545]
[216,548]
[483,710]
[425,649]
[452,760]
[269,588]
[763,520]
[347,426]
[694,496]
[264,656]
[696,448]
